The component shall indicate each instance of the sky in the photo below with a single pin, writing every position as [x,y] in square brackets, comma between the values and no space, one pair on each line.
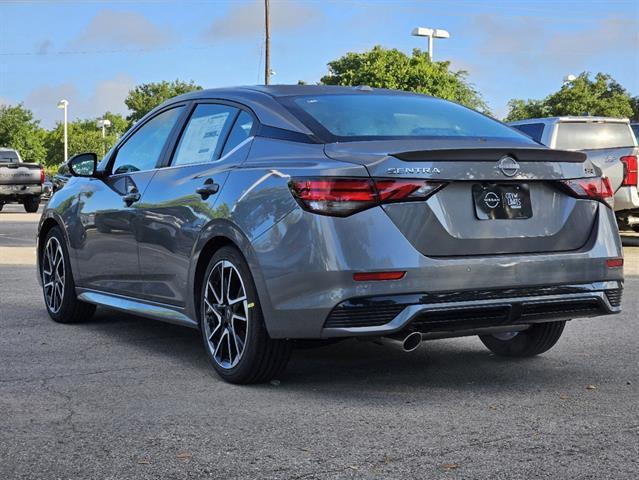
[93,52]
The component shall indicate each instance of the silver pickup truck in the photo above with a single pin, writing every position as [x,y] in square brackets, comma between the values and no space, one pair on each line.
[19,182]
[609,143]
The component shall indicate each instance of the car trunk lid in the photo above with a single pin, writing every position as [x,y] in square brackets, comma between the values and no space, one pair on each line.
[499,198]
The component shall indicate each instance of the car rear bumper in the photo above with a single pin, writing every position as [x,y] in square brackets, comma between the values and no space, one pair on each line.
[626,198]
[305,265]
[14,192]
[451,312]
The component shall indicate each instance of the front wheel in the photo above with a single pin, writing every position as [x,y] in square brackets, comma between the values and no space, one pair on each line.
[538,339]
[232,324]
[31,204]
[58,287]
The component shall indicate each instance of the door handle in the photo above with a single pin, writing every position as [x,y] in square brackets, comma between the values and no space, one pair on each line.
[131,197]
[209,188]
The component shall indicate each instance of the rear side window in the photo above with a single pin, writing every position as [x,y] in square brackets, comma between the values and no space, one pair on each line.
[635,129]
[142,151]
[240,132]
[593,135]
[202,139]
[533,130]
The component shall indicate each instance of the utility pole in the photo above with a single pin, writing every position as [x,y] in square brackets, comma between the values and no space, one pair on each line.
[267,47]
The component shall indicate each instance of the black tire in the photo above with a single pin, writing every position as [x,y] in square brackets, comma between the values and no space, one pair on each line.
[262,358]
[635,228]
[538,339]
[69,309]
[31,204]
[1,205]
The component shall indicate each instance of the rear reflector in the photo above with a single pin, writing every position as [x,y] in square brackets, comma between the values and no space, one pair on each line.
[597,188]
[632,176]
[614,262]
[342,196]
[372,276]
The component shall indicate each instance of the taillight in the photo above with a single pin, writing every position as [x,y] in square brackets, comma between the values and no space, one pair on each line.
[340,196]
[41,176]
[596,188]
[632,176]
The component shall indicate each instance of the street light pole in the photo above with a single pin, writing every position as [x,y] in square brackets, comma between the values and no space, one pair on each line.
[431,33]
[103,123]
[267,44]
[64,105]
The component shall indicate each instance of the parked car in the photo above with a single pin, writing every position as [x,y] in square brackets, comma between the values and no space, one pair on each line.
[260,215]
[19,182]
[609,144]
[61,177]
[47,189]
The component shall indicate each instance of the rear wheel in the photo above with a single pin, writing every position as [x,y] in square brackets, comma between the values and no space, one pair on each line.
[232,325]
[539,338]
[58,287]
[31,204]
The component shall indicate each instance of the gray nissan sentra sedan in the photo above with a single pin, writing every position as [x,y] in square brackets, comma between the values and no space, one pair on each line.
[265,215]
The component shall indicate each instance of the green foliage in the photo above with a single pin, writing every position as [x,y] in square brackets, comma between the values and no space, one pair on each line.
[602,96]
[391,68]
[144,98]
[84,136]
[635,108]
[19,130]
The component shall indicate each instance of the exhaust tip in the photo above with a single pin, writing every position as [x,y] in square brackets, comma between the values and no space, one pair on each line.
[412,341]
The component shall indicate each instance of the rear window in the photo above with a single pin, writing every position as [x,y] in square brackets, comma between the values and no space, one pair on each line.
[593,135]
[533,130]
[635,129]
[347,117]
[8,156]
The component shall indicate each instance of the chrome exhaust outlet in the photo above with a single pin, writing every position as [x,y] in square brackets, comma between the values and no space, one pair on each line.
[407,342]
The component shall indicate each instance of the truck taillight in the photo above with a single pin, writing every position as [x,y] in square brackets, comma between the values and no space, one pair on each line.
[41,176]
[632,176]
[342,196]
[597,188]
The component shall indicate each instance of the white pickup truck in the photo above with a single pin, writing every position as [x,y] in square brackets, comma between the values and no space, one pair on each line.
[20,182]
[609,143]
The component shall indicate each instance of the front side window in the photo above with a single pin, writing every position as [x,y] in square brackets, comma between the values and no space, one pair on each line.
[202,139]
[593,135]
[377,116]
[142,150]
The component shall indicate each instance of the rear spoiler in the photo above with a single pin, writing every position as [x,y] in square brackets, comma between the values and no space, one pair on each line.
[492,155]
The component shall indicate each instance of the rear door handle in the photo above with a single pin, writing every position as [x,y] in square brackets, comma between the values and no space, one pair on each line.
[209,188]
[131,197]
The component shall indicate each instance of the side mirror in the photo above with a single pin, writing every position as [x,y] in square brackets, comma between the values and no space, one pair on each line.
[83,164]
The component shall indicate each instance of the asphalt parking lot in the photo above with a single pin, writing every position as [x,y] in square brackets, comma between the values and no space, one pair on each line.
[124,397]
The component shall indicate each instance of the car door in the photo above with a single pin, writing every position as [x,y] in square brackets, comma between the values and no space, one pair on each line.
[182,197]
[107,256]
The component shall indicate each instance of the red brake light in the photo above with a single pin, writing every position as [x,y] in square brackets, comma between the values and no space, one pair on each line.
[41,176]
[372,276]
[631,179]
[596,188]
[614,262]
[344,196]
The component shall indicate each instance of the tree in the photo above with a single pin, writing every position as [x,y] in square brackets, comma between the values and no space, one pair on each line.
[635,108]
[84,136]
[391,68]
[20,131]
[602,96]
[144,98]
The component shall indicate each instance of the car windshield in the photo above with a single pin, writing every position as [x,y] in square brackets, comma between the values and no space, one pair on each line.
[378,116]
[593,135]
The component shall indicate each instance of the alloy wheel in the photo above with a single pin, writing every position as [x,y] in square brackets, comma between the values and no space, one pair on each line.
[226,314]
[53,274]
